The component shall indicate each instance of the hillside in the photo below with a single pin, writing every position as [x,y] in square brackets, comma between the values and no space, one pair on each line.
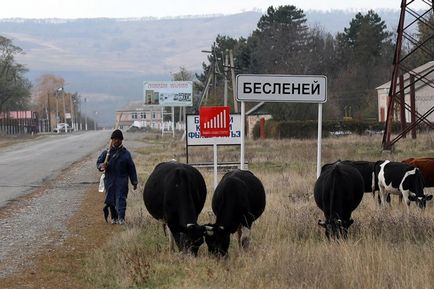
[107,60]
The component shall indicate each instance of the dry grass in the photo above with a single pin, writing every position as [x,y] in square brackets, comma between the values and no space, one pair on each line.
[9,140]
[387,248]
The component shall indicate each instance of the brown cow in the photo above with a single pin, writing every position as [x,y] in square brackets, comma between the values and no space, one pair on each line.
[426,167]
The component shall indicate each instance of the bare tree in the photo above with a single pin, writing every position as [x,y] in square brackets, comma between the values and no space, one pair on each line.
[47,95]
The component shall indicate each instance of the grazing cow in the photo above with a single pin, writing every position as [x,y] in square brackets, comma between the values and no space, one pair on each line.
[338,191]
[426,167]
[401,179]
[366,169]
[175,193]
[238,201]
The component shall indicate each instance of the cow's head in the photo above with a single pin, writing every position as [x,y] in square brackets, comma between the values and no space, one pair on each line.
[335,228]
[217,239]
[420,200]
[417,195]
[191,238]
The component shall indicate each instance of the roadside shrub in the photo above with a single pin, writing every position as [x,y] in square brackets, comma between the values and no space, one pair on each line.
[309,128]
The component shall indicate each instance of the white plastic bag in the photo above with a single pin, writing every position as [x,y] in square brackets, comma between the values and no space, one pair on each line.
[101,188]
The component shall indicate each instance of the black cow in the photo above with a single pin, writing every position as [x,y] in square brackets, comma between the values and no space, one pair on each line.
[338,191]
[401,179]
[175,193]
[366,169]
[238,201]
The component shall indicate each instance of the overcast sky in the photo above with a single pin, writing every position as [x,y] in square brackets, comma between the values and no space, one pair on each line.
[170,8]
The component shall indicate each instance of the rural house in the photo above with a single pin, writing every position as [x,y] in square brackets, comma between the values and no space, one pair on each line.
[424,93]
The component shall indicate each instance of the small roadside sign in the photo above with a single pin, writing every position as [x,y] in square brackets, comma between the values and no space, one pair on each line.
[214,121]
[194,136]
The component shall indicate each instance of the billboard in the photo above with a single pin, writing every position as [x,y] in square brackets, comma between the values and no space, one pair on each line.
[168,93]
[194,137]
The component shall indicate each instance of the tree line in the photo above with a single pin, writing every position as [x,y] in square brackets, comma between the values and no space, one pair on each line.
[14,86]
[355,61]
[49,100]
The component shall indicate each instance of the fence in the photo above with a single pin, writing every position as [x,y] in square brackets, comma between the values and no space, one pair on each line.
[13,123]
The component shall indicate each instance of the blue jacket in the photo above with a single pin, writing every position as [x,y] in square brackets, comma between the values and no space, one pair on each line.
[120,168]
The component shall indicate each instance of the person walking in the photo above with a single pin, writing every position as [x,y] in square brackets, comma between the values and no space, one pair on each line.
[118,166]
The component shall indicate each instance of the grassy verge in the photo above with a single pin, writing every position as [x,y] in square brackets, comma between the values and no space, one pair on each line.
[6,141]
[386,249]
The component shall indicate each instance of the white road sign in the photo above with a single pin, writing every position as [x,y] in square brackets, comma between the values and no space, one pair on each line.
[282,88]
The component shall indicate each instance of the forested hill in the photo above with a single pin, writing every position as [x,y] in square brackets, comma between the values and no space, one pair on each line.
[107,60]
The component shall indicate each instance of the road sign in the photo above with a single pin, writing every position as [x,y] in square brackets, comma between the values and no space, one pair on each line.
[214,121]
[282,88]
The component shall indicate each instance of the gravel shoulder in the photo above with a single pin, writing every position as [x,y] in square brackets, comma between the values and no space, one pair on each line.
[38,226]
[47,235]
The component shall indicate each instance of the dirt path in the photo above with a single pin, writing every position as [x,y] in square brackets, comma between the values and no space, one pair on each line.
[46,236]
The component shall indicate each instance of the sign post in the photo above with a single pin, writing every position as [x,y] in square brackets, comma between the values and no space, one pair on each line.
[282,88]
[214,122]
[243,134]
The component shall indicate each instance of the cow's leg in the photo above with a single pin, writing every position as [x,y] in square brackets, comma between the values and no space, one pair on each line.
[382,195]
[171,238]
[243,237]
[404,195]
[239,233]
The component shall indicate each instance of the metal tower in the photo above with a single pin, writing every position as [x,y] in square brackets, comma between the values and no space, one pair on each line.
[404,77]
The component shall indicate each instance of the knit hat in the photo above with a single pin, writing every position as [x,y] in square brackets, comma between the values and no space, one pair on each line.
[117,134]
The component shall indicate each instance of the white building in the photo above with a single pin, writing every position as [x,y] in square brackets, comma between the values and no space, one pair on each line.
[139,114]
[424,94]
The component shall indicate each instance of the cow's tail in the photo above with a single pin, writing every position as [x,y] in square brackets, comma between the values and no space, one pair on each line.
[334,174]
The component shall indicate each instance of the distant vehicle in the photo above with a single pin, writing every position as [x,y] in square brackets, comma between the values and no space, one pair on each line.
[340,132]
[63,127]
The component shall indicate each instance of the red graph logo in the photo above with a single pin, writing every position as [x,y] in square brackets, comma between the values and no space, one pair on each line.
[214,121]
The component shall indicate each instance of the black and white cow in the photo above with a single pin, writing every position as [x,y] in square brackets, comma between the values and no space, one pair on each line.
[338,191]
[401,179]
[175,193]
[238,201]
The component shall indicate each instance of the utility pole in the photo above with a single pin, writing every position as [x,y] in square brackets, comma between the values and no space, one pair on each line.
[94,122]
[216,70]
[57,107]
[80,126]
[64,110]
[72,111]
[85,114]
[48,112]
[234,88]
[211,74]
[225,74]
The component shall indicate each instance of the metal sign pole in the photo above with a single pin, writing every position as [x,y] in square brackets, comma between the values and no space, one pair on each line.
[243,123]
[318,153]
[215,165]
[173,121]
[162,120]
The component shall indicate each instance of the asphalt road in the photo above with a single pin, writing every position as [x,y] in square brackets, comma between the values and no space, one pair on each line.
[27,166]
